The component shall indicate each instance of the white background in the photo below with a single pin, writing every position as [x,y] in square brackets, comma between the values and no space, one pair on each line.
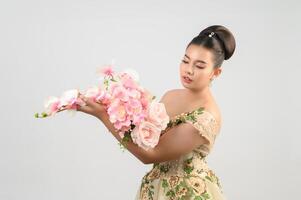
[47,47]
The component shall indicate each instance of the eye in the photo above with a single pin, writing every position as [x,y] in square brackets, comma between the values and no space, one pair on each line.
[184,61]
[200,67]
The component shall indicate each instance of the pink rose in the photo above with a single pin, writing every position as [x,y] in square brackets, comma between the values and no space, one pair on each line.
[134,93]
[121,124]
[157,115]
[119,92]
[146,135]
[117,112]
[128,81]
[133,107]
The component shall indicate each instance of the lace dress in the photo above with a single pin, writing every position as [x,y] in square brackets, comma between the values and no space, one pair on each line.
[189,176]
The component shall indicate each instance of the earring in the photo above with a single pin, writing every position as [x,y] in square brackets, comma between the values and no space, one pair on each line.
[210,83]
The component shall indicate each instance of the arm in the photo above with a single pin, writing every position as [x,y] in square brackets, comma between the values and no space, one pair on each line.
[177,141]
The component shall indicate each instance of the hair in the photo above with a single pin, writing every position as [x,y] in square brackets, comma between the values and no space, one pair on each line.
[221,42]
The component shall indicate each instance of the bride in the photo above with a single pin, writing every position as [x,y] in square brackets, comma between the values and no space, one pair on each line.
[180,169]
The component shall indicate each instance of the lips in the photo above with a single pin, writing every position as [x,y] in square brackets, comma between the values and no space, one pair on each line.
[187,78]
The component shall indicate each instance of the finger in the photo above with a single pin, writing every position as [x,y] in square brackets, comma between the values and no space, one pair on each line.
[87,100]
[90,102]
[85,109]
[84,99]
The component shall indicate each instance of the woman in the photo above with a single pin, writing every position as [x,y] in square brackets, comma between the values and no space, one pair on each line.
[180,169]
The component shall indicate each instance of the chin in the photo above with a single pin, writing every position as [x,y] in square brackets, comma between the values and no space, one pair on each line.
[186,85]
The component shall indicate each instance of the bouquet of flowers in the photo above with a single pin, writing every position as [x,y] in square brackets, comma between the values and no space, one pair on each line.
[131,108]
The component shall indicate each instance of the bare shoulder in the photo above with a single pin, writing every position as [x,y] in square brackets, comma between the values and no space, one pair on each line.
[170,94]
[171,99]
[176,101]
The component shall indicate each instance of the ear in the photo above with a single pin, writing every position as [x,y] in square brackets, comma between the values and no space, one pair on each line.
[217,72]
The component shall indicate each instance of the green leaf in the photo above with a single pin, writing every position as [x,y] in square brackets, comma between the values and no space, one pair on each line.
[177,188]
[198,198]
[155,165]
[164,168]
[207,177]
[182,183]
[164,183]
[114,80]
[188,170]
[206,195]
[170,193]
[189,160]
[150,195]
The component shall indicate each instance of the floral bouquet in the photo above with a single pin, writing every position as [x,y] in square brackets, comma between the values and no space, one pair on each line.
[131,108]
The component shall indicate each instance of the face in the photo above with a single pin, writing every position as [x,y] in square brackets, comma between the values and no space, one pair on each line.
[197,64]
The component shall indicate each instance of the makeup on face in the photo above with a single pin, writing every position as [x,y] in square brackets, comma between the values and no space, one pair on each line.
[186,79]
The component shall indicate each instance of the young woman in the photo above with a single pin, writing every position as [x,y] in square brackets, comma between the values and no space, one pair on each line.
[180,169]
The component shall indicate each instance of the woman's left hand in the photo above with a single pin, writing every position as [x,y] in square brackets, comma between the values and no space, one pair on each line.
[93,108]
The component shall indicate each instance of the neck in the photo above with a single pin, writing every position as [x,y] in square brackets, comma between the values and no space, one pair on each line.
[202,95]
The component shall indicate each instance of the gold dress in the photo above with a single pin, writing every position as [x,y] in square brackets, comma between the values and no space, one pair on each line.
[188,177]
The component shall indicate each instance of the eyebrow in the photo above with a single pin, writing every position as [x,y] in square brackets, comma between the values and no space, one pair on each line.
[197,60]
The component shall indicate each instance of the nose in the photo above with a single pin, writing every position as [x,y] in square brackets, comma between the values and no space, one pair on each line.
[189,70]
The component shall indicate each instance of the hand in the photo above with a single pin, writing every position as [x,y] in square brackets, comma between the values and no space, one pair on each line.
[93,108]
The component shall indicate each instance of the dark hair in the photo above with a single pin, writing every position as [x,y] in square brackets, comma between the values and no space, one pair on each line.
[219,40]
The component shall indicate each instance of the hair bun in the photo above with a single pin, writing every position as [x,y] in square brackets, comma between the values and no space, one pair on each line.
[225,36]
